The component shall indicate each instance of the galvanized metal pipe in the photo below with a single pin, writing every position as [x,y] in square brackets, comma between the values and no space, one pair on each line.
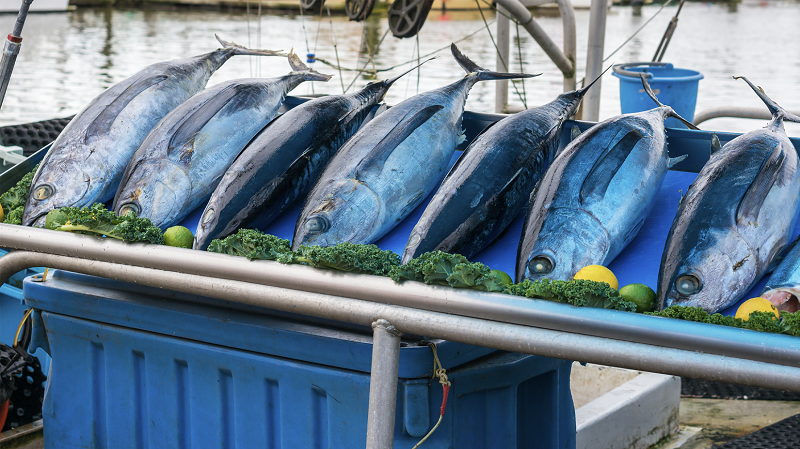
[475,331]
[502,60]
[734,112]
[570,40]
[594,58]
[496,307]
[521,13]
[383,385]
[11,49]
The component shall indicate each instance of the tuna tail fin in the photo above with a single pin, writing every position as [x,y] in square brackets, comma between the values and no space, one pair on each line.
[242,50]
[773,107]
[583,90]
[670,112]
[299,67]
[483,74]
[390,81]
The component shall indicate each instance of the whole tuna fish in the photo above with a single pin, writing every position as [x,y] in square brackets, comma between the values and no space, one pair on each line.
[735,219]
[183,158]
[87,160]
[596,194]
[783,287]
[281,164]
[492,180]
[389,166]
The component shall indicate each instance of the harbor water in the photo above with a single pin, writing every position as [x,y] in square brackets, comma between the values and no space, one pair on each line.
[68,58]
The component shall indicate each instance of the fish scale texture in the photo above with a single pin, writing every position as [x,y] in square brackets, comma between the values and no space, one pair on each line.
[697,388]
[32,136]
[781,435]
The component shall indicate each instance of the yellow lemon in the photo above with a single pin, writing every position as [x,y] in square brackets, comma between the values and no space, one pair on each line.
[598,273]
[643,296]
[756,305]
[178,236]
[1,214]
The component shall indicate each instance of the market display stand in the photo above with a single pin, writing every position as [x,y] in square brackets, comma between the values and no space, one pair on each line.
[291,346]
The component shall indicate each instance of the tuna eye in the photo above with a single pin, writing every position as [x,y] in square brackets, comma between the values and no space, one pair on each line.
[541,265]
[316,225]
[208,216]
[688,284]
[129,208]
[44,192]
[414,240]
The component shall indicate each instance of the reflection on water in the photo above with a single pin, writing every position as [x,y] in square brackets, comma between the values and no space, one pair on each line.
[68,58]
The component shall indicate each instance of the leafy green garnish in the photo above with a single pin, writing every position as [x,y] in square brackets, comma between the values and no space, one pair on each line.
[578,292]
[251,244]
[351,257]
[13,201]
[97,220]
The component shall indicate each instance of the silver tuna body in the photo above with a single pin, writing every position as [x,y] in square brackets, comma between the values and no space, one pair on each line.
[595,196]
[374,182]
[182,160]
[783,287]
[734,221]
[87,160]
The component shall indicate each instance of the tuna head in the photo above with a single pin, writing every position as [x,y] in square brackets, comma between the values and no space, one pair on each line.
[348,212]
[569,240]
[717,269]
[156,189]
[61,185]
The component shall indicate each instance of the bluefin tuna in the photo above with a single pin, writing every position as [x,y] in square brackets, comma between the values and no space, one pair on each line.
[492,181]
[87,160]
[280,165]
[735,219]
[389,166]
[182,160]
[595,196]
[783,287]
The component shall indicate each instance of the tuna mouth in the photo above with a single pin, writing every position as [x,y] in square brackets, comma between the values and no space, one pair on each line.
[37,221]
[785,299]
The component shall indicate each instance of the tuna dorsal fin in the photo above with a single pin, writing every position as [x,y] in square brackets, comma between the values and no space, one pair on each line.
[197,119]
[715,143]
[395,137]
[574,133]
[675,160]
[102,123]
[757,191]
[599,177]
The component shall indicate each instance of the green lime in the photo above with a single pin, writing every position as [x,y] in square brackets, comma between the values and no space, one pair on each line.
[178,236]
[643,296]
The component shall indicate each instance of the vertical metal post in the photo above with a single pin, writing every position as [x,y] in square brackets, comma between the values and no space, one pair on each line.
[383,385]
[594,58]
[11,49]
[503,45]
[568,21]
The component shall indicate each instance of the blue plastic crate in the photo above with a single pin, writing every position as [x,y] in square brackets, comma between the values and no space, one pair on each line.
[143,367]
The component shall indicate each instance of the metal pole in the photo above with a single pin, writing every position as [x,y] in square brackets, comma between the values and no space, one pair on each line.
[594,58]
[735,112]
[570,40]
[11,49]
[768,348]
[521,13]
[503,44]
[475,331]
[383,385]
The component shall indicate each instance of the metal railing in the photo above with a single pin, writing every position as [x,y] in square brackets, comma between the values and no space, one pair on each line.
[734,112]
[491,320]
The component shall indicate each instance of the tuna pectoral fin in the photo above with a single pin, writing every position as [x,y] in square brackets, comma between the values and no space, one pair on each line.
[574,133]
[596,183]
[395,137]
[675,160]
[102,123]
[757,191]
[483,74]
[200,116]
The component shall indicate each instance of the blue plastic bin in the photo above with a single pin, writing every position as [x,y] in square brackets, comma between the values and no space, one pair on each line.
[143,367]
[676,88]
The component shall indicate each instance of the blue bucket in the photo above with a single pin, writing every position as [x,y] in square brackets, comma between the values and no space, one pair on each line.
[673,87]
